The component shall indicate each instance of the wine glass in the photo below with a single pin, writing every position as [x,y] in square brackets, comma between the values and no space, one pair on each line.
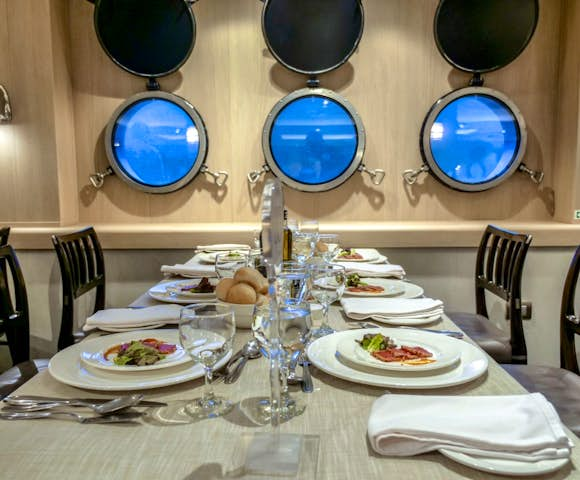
[327,284]
[292,283]
[303,244]
[228,263]
[308,226]
[327,246]
[206,332]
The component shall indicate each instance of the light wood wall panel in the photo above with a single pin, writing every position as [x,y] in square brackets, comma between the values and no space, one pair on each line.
[28,157]
[392,80]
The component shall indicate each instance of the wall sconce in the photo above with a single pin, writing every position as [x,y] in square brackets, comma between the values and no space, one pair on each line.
[6,111]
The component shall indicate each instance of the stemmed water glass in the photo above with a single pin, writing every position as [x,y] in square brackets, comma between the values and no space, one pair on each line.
[206,332]
[327,246]
[303,245]
[228,263]
[327,284]
[292,283]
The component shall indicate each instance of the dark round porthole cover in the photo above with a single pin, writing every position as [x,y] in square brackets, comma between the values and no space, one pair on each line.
[484,35]
[148,39]
[295,146]
[476,142]
[312,37]
[156,160]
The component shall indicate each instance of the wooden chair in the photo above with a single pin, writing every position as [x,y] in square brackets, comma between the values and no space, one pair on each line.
[498,270]
[4,233]
[561,386]
[82,269]
[14,316]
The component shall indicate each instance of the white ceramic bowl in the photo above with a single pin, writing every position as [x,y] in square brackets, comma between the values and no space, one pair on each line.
[244,313]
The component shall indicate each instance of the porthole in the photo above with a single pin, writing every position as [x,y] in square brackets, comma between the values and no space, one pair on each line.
[473,138]
[156,142]
[313,140]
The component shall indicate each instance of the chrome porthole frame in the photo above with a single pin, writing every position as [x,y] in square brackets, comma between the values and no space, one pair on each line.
[357,157]
[189,110]
[425,138]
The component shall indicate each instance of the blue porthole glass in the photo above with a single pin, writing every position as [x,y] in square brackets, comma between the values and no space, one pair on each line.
[313,140]
[156,142]
[475,139]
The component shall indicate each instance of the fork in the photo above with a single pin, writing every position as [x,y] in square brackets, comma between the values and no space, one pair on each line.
[127,417]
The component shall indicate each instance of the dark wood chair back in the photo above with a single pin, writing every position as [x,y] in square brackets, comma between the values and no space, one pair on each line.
[4,234]
[499,268]
[82,269]
[569,322]
[14,315]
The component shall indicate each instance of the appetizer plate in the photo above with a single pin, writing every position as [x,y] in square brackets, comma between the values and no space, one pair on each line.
[67,367]
[445,351]
[93,352]
[209,257]
[391,288]
[502,466]
[167,292]
[368,255]
[472,364]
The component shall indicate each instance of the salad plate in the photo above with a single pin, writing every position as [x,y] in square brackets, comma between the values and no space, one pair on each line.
[391,288]
[179,292]
[472,363]
[445,352]
[367,254]
[209,257]
[93,353]
[502,466]
[67,367]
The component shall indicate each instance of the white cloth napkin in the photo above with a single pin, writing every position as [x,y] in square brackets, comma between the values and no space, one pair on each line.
[361,308]
[373,270]
[133,317]
[517,427]
[191,268]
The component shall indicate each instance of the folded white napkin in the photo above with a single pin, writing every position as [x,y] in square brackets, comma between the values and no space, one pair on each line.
[517,427]
[191,268]
[373,270]
[360,308]
[133,317]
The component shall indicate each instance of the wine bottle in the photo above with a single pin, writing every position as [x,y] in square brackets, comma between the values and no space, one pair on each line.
[287,240]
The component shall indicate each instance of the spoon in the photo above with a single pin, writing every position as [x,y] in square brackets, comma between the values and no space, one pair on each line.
[128,417]
[113,405]
[249,351]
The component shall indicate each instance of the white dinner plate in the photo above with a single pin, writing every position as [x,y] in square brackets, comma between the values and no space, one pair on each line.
[392,288]
[502,466]
[411,321]
[66,367]
[472,364]
[209,257]
[166,292]
[93,352]
[444,350]
[130,329]
[222,247]
[368,255]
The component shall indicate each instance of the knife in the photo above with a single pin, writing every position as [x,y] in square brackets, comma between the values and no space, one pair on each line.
[25,399]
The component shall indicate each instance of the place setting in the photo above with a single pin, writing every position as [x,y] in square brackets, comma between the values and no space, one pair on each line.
[185,292]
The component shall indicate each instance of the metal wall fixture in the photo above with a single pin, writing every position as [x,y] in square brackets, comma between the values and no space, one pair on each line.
[155,141]
[474,138]
[6,108]
[313,139]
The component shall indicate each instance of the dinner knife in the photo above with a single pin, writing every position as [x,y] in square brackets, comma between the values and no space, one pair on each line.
[24,399]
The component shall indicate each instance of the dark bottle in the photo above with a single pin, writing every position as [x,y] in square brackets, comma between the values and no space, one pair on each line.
[287,240]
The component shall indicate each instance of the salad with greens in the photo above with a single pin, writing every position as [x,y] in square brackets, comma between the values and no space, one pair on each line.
[375,342]
[140,352]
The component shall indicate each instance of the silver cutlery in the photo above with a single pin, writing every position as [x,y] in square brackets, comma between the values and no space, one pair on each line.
[307,385]
[126,417]
[72,402]
[250,350]
[449,333]
[111,406]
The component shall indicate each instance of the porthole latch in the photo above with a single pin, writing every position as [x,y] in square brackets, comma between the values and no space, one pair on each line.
[220,176]
[98,179]
[410,176]
[254,175]
[536,176]
[377,175]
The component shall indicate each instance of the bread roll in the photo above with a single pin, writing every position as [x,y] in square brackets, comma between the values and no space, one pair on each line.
[223,287]
[265,286]
[262,299]
[251,277]
[241,293]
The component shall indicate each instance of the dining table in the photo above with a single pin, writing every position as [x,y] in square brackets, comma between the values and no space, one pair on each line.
[334,426]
